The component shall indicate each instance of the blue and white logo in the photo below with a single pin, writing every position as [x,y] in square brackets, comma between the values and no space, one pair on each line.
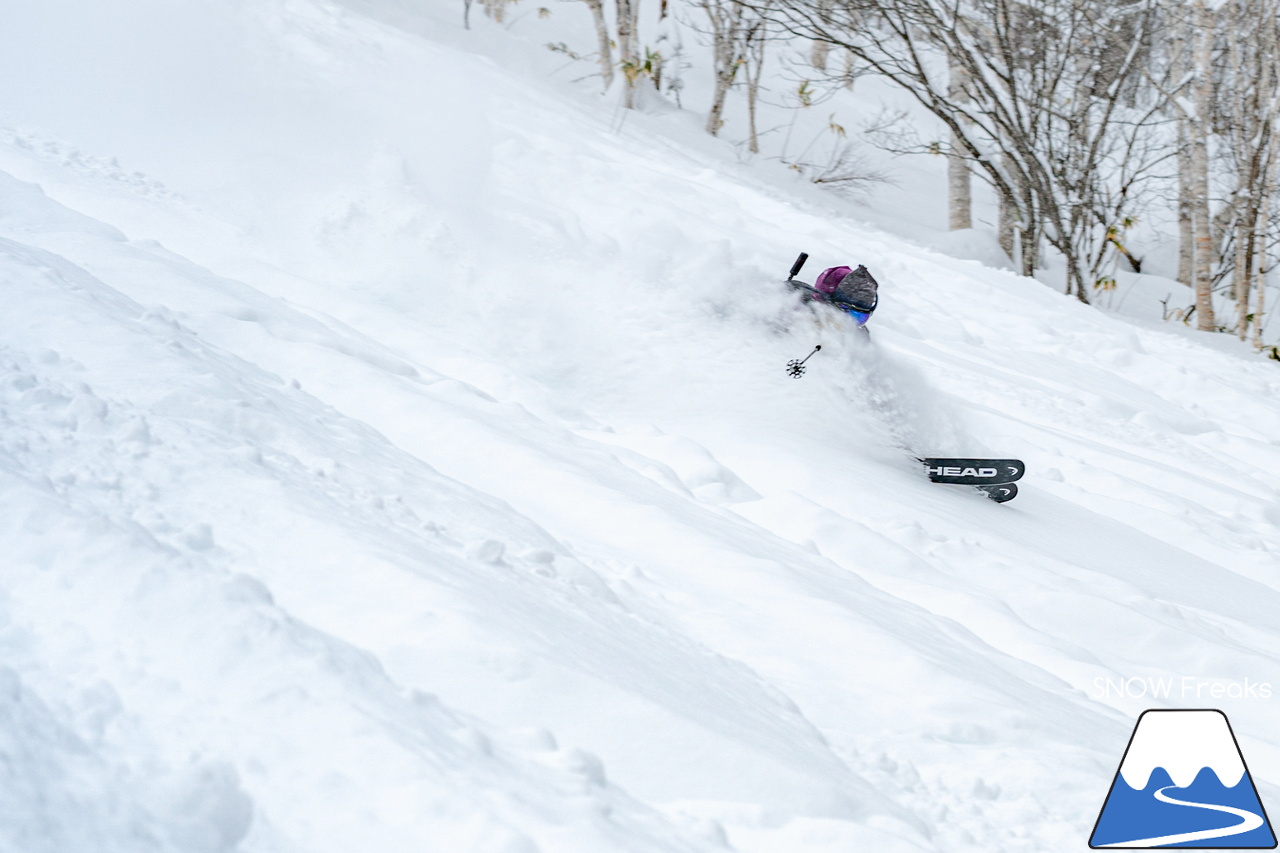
[1183,783]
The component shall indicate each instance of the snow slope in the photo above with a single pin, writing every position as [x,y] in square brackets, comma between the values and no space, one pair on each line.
[397,454]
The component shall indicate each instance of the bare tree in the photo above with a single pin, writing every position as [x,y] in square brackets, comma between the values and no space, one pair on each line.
[1198,123]
[739,37]
[604,50]
[1260,247]
[1263,265]
[959,190]
[1230,68]
[1186,224]
[755,51]
[628,12]
[727,20]
[819,50]
[1051,109]
[1179,63]
[1250,105]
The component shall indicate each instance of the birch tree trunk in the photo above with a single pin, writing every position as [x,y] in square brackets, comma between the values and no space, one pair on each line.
[818,54]
[603,48]
[628,53]
[1242,273]
[1264,267]
[1261,304]
[726,70]
[1260,246]
[1006,220]
[1075,281]
[730,49]
[959,191]
[1029,245]
[1186,227]
[1240,134]
[1201,34]
[756,49]
[1256,128]
[819,50]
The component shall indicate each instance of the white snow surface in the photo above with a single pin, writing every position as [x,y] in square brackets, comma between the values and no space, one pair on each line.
[1183,743]
[396,453]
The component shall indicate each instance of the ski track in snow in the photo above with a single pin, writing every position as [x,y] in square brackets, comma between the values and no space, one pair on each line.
[472,507]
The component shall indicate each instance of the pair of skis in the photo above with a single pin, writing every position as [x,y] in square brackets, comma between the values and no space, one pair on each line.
[993,477]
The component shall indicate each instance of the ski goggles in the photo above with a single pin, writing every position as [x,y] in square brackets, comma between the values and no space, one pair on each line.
[859,317]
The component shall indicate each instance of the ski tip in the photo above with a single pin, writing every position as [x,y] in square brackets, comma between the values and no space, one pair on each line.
[1001,493]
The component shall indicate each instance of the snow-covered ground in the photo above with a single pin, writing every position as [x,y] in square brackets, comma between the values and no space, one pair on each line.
[396,453]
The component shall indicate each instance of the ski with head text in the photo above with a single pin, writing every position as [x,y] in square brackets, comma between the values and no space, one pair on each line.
[973,472]
[1000,492]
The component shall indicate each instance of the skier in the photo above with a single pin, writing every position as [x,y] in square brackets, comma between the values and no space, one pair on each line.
[852,291]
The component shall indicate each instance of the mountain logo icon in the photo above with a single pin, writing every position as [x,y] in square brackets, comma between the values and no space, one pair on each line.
[1183,783]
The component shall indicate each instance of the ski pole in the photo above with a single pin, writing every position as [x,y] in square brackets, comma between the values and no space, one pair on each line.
[795,268]
[795,367]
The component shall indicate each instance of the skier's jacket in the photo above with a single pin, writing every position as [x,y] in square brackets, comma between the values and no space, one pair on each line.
[853,288]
